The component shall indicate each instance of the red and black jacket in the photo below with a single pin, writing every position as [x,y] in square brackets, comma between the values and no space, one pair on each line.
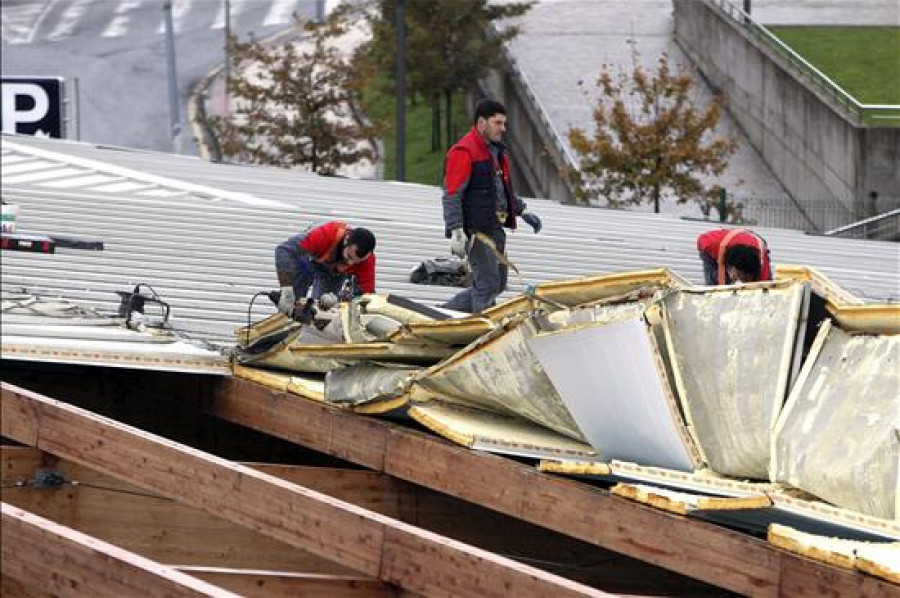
[470,193]
[323,244]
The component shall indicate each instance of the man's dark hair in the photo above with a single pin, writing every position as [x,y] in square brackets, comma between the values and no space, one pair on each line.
[363,239]
[746,259]
[488,108]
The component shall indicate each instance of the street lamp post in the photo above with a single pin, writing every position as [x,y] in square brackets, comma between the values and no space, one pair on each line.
[174,109]
[401,92]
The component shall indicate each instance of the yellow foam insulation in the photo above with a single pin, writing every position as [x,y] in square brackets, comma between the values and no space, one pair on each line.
[880,559]
[872,318]
[309,387]
[476,428]
[262,328]
[577,291]
[791,500]
[703,481]
[821,284]
[683,502]
[575,467]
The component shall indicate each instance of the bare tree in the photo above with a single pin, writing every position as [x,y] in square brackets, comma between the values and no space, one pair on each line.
[650,141]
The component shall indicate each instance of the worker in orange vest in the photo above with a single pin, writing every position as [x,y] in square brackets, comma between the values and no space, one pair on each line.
[733,255]
[320,262]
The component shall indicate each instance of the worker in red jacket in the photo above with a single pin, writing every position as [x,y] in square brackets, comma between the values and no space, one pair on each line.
[733,255]
[478,203]
[319,262]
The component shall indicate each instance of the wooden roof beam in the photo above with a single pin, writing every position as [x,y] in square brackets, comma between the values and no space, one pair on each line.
[372,544]
[283,584]
[698,549]
[49,557]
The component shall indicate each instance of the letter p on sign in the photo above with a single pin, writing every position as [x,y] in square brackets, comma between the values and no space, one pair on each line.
[32,106]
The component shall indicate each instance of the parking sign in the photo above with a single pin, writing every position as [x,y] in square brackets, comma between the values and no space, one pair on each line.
[33,106]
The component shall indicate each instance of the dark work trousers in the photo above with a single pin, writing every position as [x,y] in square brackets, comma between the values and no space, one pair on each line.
[306,274]
[488,276]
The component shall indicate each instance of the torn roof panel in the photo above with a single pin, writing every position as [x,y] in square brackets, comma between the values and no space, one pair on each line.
[732,351]
[609,376]
[842,418]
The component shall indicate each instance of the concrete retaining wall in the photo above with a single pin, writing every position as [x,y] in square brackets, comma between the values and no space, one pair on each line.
[814,149]
[539,163]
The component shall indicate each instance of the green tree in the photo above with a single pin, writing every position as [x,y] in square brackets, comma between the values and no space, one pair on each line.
[650,141]
[292,104]
[451,44]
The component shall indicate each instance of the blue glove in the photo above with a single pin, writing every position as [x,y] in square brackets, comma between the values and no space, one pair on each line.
[533,220]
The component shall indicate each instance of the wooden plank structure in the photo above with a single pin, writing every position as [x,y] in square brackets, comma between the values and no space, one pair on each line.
[716,555]
[375,545]
[407,469]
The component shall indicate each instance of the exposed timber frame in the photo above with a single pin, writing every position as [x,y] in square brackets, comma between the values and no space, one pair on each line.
[698,549]
[65,562]
[367,542]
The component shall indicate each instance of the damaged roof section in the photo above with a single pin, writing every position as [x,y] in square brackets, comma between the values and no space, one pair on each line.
[678,379]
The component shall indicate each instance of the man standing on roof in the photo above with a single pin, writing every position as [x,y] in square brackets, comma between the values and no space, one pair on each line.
[733,255]
[478,203]
[319,262]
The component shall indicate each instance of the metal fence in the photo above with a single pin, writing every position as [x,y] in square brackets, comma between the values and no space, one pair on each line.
[870,218]
[870,114]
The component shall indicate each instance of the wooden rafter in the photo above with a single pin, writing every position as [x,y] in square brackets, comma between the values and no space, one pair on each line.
[372,544]
[59,560]
[694,548]
[277,584]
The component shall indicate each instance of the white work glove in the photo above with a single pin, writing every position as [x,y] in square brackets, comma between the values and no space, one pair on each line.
[458,242]
[286,301]
[327,301]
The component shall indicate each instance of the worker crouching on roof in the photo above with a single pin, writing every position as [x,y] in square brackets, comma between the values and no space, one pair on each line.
[319,262]
[478,203]
[733,255]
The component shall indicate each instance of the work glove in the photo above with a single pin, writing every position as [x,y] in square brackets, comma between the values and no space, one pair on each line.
[533,220]
[286,301]
[458,242]
[327,301]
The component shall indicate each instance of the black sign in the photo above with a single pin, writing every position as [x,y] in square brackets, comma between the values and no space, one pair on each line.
[33,106]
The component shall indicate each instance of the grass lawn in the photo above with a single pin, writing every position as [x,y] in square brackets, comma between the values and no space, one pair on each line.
[422,164]
[865,61]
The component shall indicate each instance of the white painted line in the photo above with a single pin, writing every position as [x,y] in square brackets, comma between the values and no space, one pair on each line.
[96,165]
[179,9]
[30,166]
[69,20]
[40,176]
[10,158]
[236,7]
[75,182]
[119,24]
[162,193]
[40,19]
[121,187]
[279,12]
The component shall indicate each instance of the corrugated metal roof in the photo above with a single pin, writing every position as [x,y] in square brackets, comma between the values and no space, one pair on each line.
[203,234]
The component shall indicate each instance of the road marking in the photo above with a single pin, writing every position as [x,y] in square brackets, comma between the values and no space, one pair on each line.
[41,176]
[30,166]
[17,22]
[80,181]
[121,187]
[119,24]
[179,9]
[69,20]
[279,12]
[236,7]
[96,166]
[40,19]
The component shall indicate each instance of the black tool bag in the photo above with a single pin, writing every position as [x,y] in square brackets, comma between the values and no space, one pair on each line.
[442,271]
